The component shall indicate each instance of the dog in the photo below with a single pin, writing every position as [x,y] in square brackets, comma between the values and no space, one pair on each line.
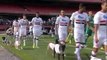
[5,40]
[57,50]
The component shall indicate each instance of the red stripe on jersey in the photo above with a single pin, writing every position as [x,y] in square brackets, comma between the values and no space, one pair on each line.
[103,22]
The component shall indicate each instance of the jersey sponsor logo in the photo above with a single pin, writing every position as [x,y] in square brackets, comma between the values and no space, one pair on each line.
[105,16]
[63,20]
[80,17]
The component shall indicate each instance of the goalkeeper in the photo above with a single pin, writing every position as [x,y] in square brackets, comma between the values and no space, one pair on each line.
[89,30]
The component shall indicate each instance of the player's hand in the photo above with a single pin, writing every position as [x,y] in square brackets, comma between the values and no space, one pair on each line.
[96,40]
[56,33]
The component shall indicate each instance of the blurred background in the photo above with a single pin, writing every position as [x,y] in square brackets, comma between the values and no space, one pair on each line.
[49,9]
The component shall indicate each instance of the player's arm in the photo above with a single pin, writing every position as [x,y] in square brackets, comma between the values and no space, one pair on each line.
[57,25]
[71,23]
[13,25]
[88,22]
[68,26]
[32,21]
[27,25]
[96,26]
[41,22]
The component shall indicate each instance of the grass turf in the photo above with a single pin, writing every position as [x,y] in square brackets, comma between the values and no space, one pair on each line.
[28,53]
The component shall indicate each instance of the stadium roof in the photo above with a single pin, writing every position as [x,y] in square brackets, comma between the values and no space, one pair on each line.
[95,1]
[34,1]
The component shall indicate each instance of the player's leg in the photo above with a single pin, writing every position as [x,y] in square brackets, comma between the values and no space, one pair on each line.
[24,37]
[82,41]
[37,39]
[17,43]
[63,43]
[36,34]
[34,40]
[77,38]
[95,50]
[21,37]
[105,48]
[88,34]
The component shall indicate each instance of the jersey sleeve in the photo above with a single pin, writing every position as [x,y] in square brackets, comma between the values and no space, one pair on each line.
[57,20]
[96,19]
[72,16]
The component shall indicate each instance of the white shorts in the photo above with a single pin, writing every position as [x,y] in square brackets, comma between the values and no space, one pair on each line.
[37,32]
[102,41]
[62,35]
[22,32]
[79,37]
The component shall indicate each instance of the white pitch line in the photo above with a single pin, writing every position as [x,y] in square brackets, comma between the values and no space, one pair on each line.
[87,48]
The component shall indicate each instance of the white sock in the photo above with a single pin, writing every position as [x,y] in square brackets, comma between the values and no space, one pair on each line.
[78,53]
[24,42]
[78,56]
[36,43]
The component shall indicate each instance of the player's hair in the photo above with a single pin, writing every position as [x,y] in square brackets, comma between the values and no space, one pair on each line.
[81,5]
[24,14]
[37,12]
[62,10]
[103,2]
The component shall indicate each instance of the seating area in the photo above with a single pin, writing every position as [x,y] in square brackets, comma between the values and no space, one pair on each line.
[44,10]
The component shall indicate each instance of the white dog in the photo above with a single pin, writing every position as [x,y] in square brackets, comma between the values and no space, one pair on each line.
[55,47]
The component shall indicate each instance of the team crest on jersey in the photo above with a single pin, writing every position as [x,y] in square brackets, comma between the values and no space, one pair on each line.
[80,17]
[63,20]
[105,16]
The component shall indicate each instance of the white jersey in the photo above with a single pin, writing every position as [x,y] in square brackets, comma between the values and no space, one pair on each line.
[100,18]
[37,22]
[80,20]
[23,23]
[15,26]
[62,22]
[15,23]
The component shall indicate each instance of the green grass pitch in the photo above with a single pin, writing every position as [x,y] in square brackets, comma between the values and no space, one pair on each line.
[28,53]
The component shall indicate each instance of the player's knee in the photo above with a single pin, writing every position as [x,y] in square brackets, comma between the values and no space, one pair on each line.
[77,45]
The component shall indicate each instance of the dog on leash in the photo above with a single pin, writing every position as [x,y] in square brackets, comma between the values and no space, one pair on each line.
[57,50]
